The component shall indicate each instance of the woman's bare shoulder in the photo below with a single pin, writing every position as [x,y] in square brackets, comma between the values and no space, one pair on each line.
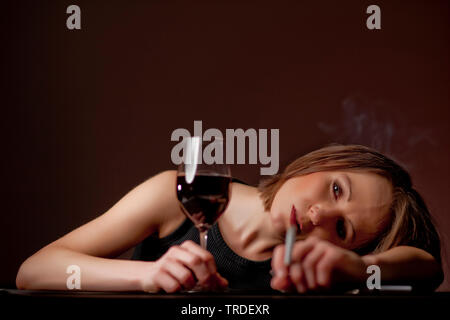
[157,196]
[163,188]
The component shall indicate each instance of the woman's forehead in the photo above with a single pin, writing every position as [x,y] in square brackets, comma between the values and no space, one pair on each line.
[359,177]
[369,189]
[371,196]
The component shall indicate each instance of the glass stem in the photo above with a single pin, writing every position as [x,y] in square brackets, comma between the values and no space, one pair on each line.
[203,239]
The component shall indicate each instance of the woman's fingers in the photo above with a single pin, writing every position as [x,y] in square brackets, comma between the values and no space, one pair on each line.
[293,276]
[223,283]
[309,264]
[214,280]
[278,266]
[182,267]
[190,260]
[165,282]
[312,264]
[280,280]
[204,255]
[324,268]
[298,277]
[302,248]
[182,274]
[201,262]
[282,284]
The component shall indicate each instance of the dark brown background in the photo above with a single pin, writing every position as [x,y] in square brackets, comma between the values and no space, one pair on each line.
[87,115]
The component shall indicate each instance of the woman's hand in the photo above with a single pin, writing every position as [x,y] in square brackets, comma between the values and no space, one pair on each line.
[181,268]
[316,265]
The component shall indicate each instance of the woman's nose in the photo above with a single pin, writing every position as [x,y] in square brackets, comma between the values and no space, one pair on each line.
[319,215]
[313,214]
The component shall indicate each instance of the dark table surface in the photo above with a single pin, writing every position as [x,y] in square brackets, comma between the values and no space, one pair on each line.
[230,305]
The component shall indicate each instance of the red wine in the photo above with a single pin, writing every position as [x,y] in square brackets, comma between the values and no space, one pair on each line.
[204,199]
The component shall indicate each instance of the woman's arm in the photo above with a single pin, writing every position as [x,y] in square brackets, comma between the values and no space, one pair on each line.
[47,269]
[408,265]
[319,264]
[144,210]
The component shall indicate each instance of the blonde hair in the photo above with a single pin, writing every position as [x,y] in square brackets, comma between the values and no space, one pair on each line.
[410,221]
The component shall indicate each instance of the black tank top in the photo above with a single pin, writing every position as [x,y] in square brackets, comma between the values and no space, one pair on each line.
[240,272]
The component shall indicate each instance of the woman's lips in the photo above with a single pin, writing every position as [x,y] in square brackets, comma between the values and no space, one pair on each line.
[293,220]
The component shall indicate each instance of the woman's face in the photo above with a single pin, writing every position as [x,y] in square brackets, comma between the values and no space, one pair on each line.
[347,208]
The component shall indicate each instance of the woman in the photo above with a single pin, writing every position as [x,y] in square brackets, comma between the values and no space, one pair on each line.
[375,211]
[354,208]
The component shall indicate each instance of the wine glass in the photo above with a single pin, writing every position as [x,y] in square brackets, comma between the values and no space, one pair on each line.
[203,183]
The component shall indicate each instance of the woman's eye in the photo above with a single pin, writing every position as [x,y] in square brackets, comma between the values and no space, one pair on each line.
[336,190]
[340,229]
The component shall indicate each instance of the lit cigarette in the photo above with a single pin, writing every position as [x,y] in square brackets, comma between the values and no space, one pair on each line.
[290,238]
